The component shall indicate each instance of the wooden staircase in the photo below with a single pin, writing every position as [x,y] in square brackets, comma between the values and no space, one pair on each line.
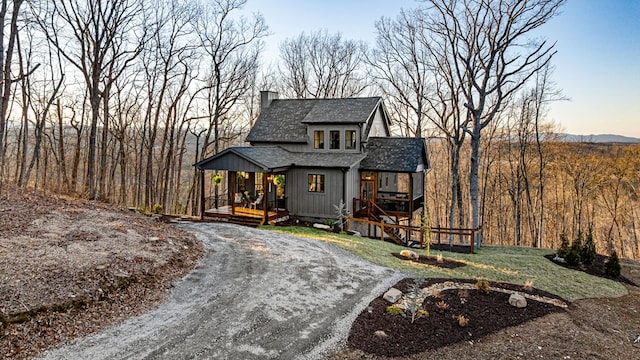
[244,220]
[378,215]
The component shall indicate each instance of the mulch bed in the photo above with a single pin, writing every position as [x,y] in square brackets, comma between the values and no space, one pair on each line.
[462,249]
[486,313]
[432,261]
[596,269]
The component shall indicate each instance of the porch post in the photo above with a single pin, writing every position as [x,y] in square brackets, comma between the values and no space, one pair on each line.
[265,199]
[410,197]
[233,175]
[202,204]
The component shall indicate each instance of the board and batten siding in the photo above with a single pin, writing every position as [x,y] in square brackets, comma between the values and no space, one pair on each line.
[378,128]
[353,187]
[302,202]
[232,162]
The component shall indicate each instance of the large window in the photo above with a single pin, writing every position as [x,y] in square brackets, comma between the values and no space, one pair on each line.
[334,139]
[318,139]
[316,183]
[350,139]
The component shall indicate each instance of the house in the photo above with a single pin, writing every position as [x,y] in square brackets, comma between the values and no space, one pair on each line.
[307,155]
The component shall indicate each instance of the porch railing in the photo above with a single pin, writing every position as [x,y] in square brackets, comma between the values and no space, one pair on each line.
[392,205]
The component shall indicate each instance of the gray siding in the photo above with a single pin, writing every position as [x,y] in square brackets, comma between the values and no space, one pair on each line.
[353,187]
[387,181]
[301,202]
[377,125]
[418,184]
[232,162]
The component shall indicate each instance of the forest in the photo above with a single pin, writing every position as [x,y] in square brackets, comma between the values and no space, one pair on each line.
[115,100]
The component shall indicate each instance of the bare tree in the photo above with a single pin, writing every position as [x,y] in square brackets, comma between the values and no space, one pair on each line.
[6,63]
[322,65]
[493,58]
[400,65]
[232,46]
[94,44]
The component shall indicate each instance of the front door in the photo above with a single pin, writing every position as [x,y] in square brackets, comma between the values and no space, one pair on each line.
[367,192]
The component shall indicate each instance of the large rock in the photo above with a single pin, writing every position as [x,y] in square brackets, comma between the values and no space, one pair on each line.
[381,334]
[409,254]
[392,295]
[322,226]
[517,300]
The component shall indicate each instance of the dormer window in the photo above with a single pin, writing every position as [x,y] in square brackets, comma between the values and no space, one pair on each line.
[350,139]
[318,139]
[334,139]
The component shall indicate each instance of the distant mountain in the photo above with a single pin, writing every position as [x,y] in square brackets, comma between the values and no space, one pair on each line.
[601,138]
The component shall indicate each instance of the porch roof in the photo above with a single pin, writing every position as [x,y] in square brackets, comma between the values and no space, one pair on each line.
[275,158]
[396,154]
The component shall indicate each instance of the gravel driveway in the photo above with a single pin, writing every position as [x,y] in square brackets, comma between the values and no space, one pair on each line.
[255,295]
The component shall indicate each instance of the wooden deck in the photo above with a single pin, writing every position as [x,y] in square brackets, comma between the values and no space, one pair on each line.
[227,212]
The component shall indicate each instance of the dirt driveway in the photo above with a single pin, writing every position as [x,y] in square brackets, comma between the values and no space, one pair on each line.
[255,294]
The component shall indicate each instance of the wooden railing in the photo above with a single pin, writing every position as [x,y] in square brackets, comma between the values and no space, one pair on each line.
[373,211]
[394,205]
[471,233]
[382,225]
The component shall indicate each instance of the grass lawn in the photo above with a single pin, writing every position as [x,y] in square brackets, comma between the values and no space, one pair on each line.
[498,263]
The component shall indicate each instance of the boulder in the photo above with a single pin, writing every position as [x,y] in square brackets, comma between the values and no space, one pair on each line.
[381,334]
[517,300]
[392,295]
[409,254]
[322,226]
[353,233]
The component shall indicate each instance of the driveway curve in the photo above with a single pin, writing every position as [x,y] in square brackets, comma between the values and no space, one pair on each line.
[255,295]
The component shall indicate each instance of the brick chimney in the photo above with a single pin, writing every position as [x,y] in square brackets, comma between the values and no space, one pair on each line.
[266,97]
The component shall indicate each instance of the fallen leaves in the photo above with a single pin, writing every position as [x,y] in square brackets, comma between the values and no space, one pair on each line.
[69,268]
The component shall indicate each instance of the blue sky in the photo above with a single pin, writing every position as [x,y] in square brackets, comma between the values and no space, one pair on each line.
[597,64]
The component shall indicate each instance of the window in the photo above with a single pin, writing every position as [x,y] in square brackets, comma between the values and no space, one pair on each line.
[334,139]
[318,139]
[350,139]
[316,183]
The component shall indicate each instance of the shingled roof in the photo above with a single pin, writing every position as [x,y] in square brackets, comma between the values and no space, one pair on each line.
[395,154]
[275,158]
[284,120]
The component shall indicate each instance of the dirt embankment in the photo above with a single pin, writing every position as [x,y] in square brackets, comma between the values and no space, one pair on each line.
[71,267]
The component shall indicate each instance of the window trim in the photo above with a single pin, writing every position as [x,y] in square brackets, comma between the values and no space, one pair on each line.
[318,141]
[354,140]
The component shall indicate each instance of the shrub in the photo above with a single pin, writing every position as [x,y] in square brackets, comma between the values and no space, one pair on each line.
[612,267]
[442,305]
[573,257]
[329,222]
[414,302]
[483,286]
[422,313]
[462,321]
[528,285]
[564,246]
[394,310]
[589,250]
[157,209]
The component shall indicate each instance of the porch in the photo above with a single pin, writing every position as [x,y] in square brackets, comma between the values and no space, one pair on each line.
[396,204]
[246,216]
